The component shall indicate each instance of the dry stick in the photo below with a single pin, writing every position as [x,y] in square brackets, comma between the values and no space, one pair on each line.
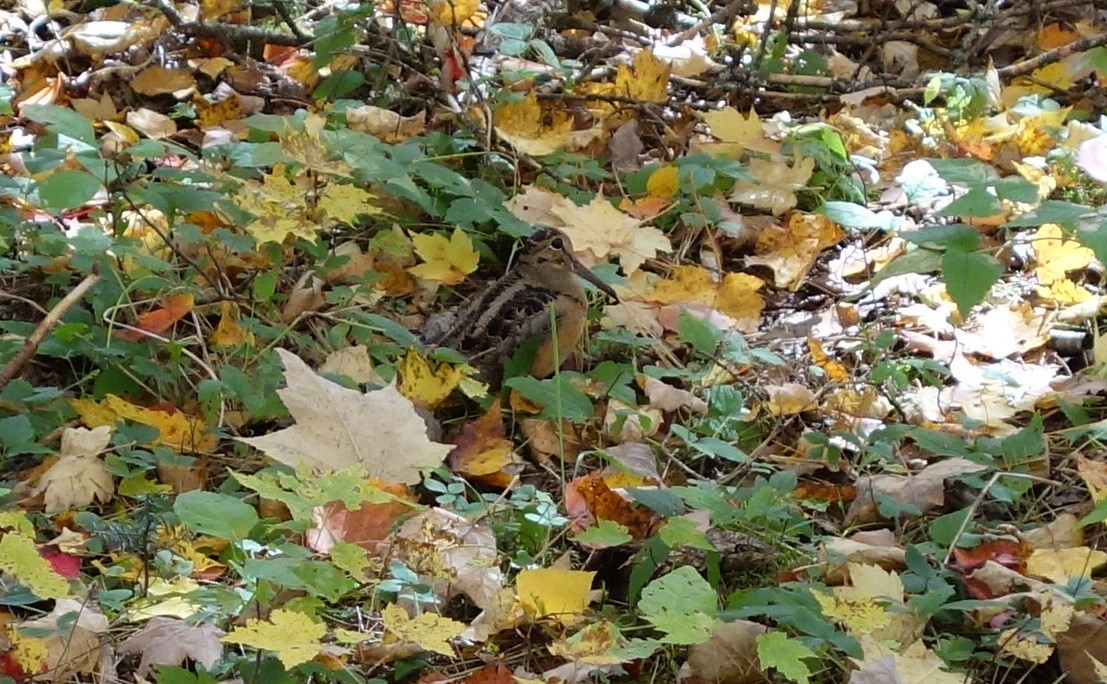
[52,319]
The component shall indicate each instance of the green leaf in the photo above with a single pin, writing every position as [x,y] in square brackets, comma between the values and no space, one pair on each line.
[921,260]
[776,650]
[1098,514]
[219,515]
[682,604]
[969,276]
[1052,211]
[699,333]
[1094,237]
[954,235]
[605,534]
[964,171]
[661,501]
[943,529]
[850,215]
[557,396]
[62,121]
[977,202]
[67,189]
[684,532]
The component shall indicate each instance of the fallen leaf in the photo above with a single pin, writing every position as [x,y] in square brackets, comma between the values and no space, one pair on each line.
[445,261]
[562,594]
[293,636]
[168,641]
[729,656]
[79,477]
[483,453]
[924,490]
[73,638]
[337,428]
[429,631]
[173,308]
[1061,565]
[454,555]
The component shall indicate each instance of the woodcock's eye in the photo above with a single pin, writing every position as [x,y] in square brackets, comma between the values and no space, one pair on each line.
[557,243]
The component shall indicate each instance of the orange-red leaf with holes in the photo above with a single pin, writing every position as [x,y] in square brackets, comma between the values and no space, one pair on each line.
[590,498]
[173,308]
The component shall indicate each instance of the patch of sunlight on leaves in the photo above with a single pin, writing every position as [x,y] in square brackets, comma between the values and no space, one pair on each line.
[682,604]
[294,637]
[554,592]
[429,630]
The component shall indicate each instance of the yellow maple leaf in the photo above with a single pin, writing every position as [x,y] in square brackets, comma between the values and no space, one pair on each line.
[736,296]
[737,133]
[278,207]
[429,630]
[424,386]
[344,203]
[862,616]
[530,129]
[28,652]
[601,229]
[1055,254]
[293,636]
[645,80]
[446,261]
[552,591]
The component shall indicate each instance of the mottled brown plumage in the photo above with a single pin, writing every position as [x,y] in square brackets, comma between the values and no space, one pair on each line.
[505,316]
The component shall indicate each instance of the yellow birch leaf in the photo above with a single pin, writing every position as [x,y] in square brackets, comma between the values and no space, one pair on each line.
[229,332]
[664,182]
[178,431]
[553,591]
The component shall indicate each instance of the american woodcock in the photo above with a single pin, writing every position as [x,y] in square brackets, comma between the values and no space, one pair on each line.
[514,310]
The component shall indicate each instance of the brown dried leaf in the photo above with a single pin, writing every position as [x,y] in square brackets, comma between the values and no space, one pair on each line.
[169,641]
